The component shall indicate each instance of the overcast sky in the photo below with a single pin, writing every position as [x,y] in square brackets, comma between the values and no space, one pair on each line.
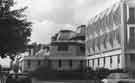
[49,16]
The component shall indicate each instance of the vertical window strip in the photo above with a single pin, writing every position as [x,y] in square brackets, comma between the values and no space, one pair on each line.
[111,61]
[60,63]
[118,58]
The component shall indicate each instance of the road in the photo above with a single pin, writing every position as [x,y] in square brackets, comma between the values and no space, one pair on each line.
[64,81]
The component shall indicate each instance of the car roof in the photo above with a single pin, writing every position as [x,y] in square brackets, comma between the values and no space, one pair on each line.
[121,76]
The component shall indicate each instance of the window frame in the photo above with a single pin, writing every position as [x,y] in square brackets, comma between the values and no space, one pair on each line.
[60,63]
[128,32]
[70,63]
[128,11]
[104,61]
[29,63]
[39,62]
[63,48]
[111,61]
[118,59]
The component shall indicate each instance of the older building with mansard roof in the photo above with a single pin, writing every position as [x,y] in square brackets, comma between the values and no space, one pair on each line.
[67,50]
[110,37]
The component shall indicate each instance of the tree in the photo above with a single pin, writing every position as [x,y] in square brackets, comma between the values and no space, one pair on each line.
[15,29]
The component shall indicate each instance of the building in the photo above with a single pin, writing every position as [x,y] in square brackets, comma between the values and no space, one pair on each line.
[67,50]
[110,37]
[32,62]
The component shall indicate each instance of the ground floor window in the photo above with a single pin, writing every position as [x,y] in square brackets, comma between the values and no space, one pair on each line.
[81,63]
[60,63]
[104,61]
[98,61]
[70,63]
[93,62]
[110,61]
[118,59]
[88,63]
[29,63]
[39,63]
[132,58]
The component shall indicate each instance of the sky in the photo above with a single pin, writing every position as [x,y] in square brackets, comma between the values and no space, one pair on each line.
[50,16]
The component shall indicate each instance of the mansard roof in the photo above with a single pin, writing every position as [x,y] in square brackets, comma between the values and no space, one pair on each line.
[66,35]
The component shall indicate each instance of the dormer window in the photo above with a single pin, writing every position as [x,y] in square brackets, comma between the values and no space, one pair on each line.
[63,48]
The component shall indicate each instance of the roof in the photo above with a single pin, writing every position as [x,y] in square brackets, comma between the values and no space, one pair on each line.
[71,42]
[66,35]
[106,12]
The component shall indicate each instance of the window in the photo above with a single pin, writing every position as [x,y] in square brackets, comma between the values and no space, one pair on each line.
[131,36]
[29,63]
[63,48]
[132,33]
[104,61]
[70,63]
[110,60]
[82,49]
[93,62]
[131,14]
[81,63]
[60,63]
[118,59]
[132,57]
[39,62]
[98,61]
[88,63]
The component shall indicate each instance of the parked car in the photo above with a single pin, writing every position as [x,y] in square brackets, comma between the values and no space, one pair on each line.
[119,78]
[18,78]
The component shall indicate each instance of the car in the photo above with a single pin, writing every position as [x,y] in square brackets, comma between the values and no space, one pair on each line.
[119,78]
[18,78]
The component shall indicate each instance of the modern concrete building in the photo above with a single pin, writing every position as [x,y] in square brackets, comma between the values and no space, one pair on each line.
[67,51]
[110,37]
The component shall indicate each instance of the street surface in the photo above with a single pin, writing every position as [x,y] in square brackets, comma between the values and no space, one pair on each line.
[63,81]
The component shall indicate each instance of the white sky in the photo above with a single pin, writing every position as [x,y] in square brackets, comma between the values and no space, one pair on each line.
[49,16]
